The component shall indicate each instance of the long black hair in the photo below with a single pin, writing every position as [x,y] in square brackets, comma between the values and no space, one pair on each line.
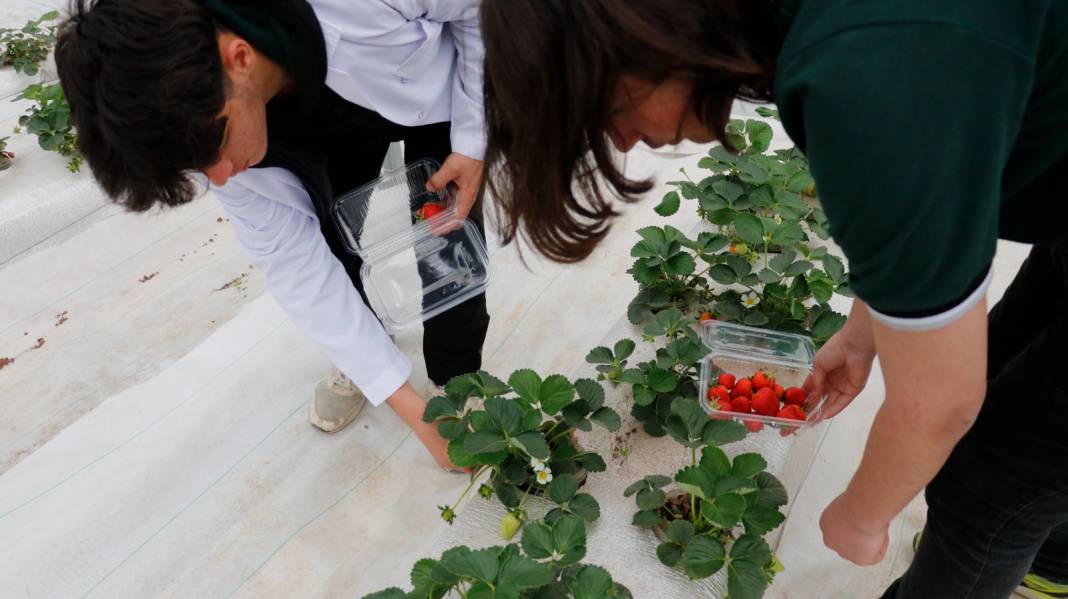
[550,72]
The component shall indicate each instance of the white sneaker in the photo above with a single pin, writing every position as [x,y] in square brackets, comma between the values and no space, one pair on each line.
[335,403]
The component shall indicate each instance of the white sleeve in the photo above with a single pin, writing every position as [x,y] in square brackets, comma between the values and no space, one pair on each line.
[311,285]
[461,17]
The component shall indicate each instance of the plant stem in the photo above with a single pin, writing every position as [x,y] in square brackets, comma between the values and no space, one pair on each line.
[474,479]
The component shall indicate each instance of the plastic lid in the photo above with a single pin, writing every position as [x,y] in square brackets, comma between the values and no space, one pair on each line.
[419,259]
[773,347]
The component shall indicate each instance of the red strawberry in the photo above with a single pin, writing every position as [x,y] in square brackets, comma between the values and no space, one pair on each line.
[765,402]
[791,412]
[794,396]
[726,379]
[779,391]
[706,316]
[429,210]
[742,387]
[741,405]
[761,380]
[754,426]
[719,393]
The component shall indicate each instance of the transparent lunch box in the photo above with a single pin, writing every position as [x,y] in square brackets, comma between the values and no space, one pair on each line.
[419,257]
[789,446]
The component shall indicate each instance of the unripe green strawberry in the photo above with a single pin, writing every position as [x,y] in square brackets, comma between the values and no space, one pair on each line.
[509,525]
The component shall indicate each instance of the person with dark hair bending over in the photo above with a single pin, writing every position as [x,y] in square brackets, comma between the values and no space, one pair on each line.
[283,105]
[933,129]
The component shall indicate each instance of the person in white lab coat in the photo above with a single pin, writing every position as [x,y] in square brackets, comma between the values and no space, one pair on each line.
[284,105]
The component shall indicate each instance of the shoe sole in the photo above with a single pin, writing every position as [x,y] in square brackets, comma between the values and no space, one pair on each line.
[332,426]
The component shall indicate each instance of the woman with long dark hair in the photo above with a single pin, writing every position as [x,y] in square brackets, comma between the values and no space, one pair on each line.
[933,129]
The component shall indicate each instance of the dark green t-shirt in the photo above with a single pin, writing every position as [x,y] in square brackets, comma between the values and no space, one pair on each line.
[932,128]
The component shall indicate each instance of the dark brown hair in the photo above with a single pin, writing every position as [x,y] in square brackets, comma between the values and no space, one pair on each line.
[550,72]
[145,85]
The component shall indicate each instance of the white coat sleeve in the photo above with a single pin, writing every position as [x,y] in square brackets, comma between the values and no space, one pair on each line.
[312,287]
[461,17]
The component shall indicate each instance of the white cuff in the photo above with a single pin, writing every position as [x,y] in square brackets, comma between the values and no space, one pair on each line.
[936,321]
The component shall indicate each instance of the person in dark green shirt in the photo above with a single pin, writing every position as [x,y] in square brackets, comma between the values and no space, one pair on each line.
[933,129]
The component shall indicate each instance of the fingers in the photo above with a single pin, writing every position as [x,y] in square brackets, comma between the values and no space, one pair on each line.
[440,179]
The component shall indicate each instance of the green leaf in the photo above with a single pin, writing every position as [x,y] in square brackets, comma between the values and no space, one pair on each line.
[390,593]
[680,264]
[799,182]
[624,348]
[723,274]
[750,229]
[679,531]
[506,415]
[597,355]
[484,442]
[524,573]
[715,460]
[759,134]
[723,155]
[662,381]
[526,382]
[745,572]
[537,540]
[670,554]
[827,324]
[721,432]
[555,393]
[725,511]
[747,465]
[646,519]
[591,462]
[695,481]
[769,276]
[489,385]
[766,112]
[835,268]
[669,205]
[771,491]
[643,396]
[569,539]
[607,418]
[762,197]
[480,565]
[730,310]
[585,506]
[760,520]
[443,407]
[650,499]
[755,318]
[563,488]
[703,557]
[752,173]
[798,268]
[740,265]
[821,290]
[534,444]
[722,217]
[591,582]
[788,233]
[654,235]
[727,189]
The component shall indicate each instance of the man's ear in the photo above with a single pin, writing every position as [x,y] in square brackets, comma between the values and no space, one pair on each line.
[238,56]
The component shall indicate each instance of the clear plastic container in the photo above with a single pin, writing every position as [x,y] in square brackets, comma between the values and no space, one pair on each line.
[419,257]
[742,351]
[789,446]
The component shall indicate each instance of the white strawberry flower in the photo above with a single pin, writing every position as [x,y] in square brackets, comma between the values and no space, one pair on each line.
[536,405]
[537,465]
[556,556]
[544,477]
[778,219]
[750,299]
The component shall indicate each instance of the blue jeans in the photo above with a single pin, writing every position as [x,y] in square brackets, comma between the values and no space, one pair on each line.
[998,508]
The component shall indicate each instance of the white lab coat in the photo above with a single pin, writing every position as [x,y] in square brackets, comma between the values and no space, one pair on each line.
[415,62]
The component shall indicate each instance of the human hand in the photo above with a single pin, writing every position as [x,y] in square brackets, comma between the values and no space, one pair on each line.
[839,372]
[862,542]
[466,173]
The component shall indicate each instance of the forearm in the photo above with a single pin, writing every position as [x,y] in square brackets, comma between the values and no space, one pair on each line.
[908,443]
[408,405]
[857,329]
[935,384]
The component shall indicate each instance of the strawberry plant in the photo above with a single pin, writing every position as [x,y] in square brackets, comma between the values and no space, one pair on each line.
[714,513]
[6,158]
[522,437]
[27,47]
[49,120]
[757,263]
[547,563]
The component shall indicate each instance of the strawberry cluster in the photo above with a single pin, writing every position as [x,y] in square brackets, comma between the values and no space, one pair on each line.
[758,394]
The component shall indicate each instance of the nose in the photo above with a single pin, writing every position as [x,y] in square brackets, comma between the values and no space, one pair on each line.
[220,172]
[625,141]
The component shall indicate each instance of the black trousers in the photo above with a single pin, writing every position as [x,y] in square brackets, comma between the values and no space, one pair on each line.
[998,508]
[354,146]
